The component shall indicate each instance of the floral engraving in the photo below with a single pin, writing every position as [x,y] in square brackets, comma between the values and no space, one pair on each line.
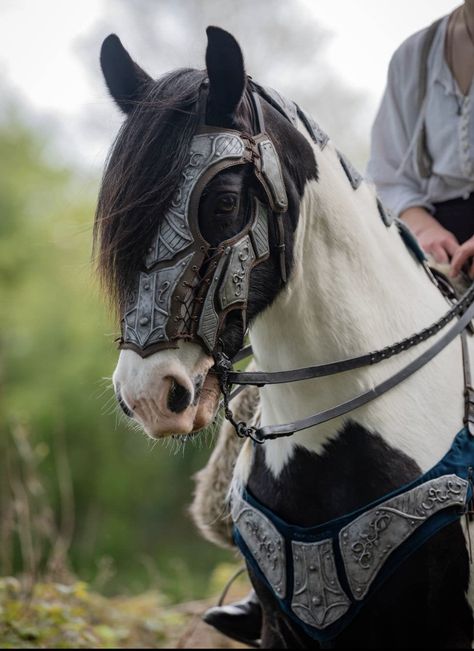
[369,539]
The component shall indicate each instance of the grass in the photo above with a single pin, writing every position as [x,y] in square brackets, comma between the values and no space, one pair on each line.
[54,615]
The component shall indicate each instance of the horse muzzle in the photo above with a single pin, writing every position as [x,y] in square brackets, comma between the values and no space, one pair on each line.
[163,396]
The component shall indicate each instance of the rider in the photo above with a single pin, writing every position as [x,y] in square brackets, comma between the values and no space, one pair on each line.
[422,163]
[422,153]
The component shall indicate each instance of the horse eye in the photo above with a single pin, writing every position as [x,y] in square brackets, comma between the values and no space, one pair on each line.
[226,204]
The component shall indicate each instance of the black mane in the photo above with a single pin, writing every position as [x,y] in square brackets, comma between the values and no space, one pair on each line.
[142,172]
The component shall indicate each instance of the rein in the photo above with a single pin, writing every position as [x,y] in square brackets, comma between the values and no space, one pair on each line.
[464,308]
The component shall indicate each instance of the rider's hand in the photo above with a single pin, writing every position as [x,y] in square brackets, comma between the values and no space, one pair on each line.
[433,238]
[462,255]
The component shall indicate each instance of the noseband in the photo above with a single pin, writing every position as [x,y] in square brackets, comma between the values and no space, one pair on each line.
[187,287]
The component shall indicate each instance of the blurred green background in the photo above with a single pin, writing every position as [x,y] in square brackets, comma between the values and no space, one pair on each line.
[78,490]
[81,494]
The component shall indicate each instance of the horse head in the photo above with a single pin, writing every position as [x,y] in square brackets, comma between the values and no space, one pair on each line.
[194,227]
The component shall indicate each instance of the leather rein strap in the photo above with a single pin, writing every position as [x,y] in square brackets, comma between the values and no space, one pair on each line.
[464,306]
[261,378]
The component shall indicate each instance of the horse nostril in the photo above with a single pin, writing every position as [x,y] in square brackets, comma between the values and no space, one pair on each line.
[128,412]
[179,398]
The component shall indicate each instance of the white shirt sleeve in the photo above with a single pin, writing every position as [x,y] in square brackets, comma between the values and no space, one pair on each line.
[392,165]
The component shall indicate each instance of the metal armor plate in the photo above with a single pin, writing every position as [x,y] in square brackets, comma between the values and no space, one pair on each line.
[259,230]
[286,105]
[355,179]
[368,541]
[318,598]
[314,130]
[174,234]
[385,214]
[209,318]
[265,543]
[235,284]
[147,312]
[272,174]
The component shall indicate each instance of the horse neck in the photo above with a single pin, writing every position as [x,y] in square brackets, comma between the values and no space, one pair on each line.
[354,288]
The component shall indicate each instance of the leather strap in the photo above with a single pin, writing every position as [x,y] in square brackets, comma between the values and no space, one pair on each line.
[423,155]
[468,389]
[261,378]
[269,432]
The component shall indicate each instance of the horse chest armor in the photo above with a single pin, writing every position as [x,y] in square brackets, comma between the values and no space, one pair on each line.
[322,576]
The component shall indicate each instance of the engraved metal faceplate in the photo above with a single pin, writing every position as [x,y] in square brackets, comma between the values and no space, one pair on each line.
[259,230]
[368,541]
[272,174]
[355,179]
[231,279]
[174,234]
[209,319]
[158,310]
[265,543]
[147,312]
[235,283]
[318,598]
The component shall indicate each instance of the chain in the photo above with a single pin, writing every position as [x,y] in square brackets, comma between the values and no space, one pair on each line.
[222,366]
[457,310]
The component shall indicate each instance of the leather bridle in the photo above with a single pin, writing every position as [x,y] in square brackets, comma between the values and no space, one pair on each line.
[464,308]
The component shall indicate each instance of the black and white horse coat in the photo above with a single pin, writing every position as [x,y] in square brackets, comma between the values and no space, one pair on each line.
[352,287]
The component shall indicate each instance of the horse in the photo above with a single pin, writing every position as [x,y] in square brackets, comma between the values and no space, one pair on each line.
[224,209]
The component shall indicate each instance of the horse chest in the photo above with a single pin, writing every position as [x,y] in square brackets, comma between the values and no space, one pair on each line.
[356,468]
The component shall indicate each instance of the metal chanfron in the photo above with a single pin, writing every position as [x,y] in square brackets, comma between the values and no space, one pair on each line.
[148,310]
[264,542]
[209,319]
[187,287]
[154,309]
[229,284]
[174,234]
[318,598]
[368,541]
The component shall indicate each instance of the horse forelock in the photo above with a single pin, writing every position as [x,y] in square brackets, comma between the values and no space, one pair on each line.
[142,173]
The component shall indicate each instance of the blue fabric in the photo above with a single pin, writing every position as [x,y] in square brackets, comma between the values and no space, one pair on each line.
[459,461]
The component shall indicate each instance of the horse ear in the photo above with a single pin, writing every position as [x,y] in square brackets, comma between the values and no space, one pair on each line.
[126,81]
[227,79]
